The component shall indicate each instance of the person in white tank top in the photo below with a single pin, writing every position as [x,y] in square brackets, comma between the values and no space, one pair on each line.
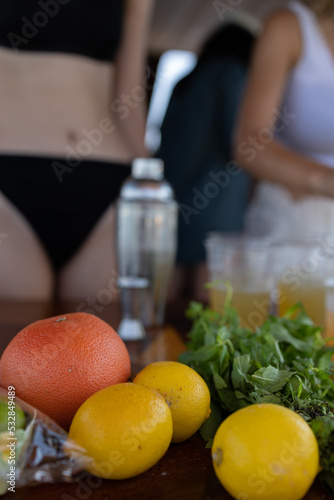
[285,131]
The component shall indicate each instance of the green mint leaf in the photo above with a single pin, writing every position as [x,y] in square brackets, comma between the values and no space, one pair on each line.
[271,379]
[205,354]
[241,366]
[219,382]
[324,362]
[210,426]
[323,428]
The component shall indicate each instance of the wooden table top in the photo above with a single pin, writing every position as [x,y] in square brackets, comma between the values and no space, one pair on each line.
[185,472]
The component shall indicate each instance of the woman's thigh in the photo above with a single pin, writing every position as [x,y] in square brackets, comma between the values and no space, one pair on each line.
[25,270]
[90,277]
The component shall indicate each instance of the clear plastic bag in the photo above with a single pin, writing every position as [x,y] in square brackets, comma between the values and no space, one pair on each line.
[33,448]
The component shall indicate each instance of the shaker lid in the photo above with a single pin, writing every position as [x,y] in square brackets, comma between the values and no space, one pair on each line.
[148,168]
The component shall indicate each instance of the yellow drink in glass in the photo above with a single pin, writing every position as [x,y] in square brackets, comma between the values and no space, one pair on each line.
[310,292]
[253,306]
[329,331]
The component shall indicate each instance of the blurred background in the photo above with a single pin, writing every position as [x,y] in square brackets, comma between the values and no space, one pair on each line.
[177,31]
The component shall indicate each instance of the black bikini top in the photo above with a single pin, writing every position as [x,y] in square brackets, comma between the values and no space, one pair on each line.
[87,27]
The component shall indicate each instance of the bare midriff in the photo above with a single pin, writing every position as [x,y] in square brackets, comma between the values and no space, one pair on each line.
[60,105]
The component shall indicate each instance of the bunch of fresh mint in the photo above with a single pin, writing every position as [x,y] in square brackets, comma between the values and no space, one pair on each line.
[285,361]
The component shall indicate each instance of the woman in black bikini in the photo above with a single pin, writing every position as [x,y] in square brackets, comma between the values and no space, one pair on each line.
[72,100]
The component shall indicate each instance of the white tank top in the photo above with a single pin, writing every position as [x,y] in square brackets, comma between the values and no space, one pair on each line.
[309,94]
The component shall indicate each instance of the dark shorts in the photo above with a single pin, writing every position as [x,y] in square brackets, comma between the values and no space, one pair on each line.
[62,205]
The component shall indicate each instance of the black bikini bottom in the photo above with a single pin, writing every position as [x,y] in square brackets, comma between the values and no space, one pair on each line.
[61,203]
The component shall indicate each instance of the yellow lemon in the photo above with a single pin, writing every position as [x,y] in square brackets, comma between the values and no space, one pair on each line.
[125,428]
[185,391]
[265,452]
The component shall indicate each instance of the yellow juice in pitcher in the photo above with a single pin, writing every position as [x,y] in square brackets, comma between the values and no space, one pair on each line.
[253,306]
[312,295]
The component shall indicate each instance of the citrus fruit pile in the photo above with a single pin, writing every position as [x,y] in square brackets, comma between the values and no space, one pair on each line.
[76,369]
[127,428]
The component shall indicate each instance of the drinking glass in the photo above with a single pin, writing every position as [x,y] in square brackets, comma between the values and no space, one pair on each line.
[303,267]
[329,327]
[245,263]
